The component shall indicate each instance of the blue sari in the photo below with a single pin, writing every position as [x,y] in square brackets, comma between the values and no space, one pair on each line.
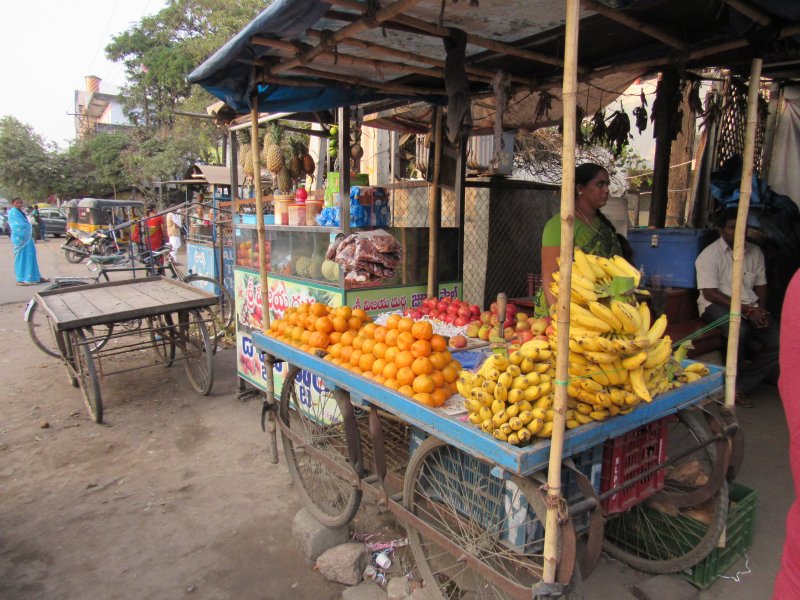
[26,267]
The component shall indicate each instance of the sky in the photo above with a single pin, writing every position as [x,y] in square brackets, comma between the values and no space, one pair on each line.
[49,46]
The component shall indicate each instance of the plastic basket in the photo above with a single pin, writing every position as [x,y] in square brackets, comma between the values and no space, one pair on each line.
[739,532]
[627,456]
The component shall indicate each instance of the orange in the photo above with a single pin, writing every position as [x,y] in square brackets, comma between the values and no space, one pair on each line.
[318,340]
[378,365]
[365,362]
[391,383]
[323,324]
[355,357]
[335,350]
[356,370]
[379,378]
[345,353]
[404,340]
[310,321]
[357,312]
[303,309]
[425,399]
[336,337]
[343,311]
[358,341]
[438,343]
[297,333]
[379,349]
[440,396]
[422,330]
[391,337]
[423,384]
[391,322]
[305,336]
[354,322]
[422,366]
[449,374]
[328,357]
[337,361]
[404,358]
[347,339]
[368,330]
[406,390]
[390,370]
[420,348]
[318,309]
[368,374]
[379,334]
[368,345]
[339,323]
[405,376]
[438,378]
[455,365]
[437,360]
[405,324]
[391,353]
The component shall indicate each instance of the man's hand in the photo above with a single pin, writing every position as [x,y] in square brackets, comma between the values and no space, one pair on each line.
[758,316]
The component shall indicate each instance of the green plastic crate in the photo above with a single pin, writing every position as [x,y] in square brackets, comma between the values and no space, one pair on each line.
[739,533]
[738,536]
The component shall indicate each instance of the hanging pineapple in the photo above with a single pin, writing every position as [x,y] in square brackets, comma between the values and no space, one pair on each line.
[273,153]
[308,162]
[246,159]
[284,181]
[295,164]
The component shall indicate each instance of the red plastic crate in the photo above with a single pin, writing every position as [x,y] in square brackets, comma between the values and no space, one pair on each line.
[628,455]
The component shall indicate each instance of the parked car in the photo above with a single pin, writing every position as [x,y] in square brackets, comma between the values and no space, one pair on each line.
[54,220]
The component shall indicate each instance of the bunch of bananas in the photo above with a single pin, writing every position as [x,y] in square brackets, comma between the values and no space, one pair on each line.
[512,398]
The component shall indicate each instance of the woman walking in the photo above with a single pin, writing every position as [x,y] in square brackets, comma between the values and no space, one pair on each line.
[26,266]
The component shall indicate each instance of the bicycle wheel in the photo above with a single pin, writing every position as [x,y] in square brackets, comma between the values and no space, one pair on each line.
[315,441]
[42,333]
[223,311]
[196,346]
[480,536]
[671,532]
[162,335]
[74,252]
[87,373]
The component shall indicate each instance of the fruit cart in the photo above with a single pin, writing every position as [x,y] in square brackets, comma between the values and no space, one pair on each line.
[465,495]
[98,326]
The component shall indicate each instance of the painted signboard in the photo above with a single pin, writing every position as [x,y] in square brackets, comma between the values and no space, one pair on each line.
[200,261]
[375,301]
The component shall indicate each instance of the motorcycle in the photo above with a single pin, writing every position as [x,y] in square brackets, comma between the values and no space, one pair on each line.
[78,247]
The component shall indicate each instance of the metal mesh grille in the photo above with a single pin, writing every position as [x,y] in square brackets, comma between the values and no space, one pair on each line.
[397,437]
[476,247]
[732,126]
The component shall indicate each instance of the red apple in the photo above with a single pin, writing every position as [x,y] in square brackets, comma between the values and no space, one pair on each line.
[550,331]
[511,310]
[509,333]
[442,305]
[493,307]
[416,315]
[452,309]
[539,325]
[523,325]
[494,320]
[460,322]
[475,310]
[486,316]
[525,335]
[463,311]
[450,318]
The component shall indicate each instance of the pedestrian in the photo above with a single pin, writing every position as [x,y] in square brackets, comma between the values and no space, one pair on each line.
[152,232]
[787,582]
[4,221]
[174,223]
[26,265]
[714,280]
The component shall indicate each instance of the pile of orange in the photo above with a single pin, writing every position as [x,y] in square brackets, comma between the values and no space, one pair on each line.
[404,355]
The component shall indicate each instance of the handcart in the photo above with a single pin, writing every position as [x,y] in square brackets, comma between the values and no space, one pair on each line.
[475,508]
[95,325]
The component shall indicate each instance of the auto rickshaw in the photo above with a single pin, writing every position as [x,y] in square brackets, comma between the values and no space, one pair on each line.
[71,209]
[94,214]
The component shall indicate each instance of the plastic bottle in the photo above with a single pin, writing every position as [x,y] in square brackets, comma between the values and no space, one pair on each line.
[300,195]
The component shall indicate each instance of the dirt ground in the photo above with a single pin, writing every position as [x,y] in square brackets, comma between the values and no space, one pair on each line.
[175,496]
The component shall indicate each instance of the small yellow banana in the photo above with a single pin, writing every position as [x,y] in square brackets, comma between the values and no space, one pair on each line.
[599,415]
[535,426]
[644,317]
[515,395]
[696,367]
[656,330]
[601,358]
[487,426]
[638,384]
[601,311]
[581,264]
[635,361]
[513,439]
[505,379]
[512,410]
[628,316]
[500,392]
[513,370]
[546,431]
[659,354]
[627,268]
[500,435]
[524,436]
[497,406]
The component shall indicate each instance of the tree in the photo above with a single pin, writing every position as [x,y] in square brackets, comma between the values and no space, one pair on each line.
[25,160]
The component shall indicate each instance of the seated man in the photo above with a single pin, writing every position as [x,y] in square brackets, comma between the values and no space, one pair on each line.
[714,273]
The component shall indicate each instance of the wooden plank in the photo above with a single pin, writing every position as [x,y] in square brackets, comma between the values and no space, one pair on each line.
[470,439]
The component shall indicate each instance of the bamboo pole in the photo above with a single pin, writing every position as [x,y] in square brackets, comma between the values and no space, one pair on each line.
[741,228]
[323,77]
[637,25]
[569,100]
[363,24]
[434,208]
[344,169]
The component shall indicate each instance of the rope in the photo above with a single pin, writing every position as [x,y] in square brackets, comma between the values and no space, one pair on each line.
[703,330]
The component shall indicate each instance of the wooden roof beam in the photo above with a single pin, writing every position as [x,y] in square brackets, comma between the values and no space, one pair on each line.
[635,24]
[366,22]
[751,12]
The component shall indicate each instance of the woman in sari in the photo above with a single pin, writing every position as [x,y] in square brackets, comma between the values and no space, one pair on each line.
[26,266]
[592,231]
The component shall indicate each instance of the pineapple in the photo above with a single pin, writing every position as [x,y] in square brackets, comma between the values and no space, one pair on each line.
[308,163]
[274,152]
[295,164]
[284,181]
[246,159]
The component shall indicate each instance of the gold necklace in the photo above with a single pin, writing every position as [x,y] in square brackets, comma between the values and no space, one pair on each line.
[586,221]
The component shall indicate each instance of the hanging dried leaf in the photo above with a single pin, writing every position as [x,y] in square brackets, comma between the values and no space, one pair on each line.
[695,104]
[599,129]
[543,106]
[642,97]
[579,116]
[640,114]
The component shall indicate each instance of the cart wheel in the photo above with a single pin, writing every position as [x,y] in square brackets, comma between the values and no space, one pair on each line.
[223,311]
[42,333]
[196,345]
[65,350]
[162,334]
[480,536]
[90,386]
[660,535]
[318,441]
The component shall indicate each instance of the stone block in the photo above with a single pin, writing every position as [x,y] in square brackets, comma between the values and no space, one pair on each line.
[344,564]
[313,538]
[665,587]
[366,590]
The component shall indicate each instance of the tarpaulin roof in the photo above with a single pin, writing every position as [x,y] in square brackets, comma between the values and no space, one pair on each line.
[309,55]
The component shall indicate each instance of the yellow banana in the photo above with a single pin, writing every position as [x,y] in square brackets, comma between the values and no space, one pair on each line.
[515,395]
[500,392]
[535,426]
[519,382]
[489,386]
[541,367]
[524,405]
[512,410]
[599,415]
[572,423]
[620,373]
[635,361]
[590,385]
[598,270]
[480,395]
[475,418]
[627,268]
[525,417]
[499,418]
[581,264]
[692,376]
[497,406]
[583,408]
[601,357]
[472,405]
[617,396]
[485,413]
[500,435]
[505,379]
[613,410]
[696,367]
[545,387]
[659,354]
[515,358]
[601,311]
[584,419]
[573,389]
[604,399]
[537,344]
[628,346]
[605,345]
[462,388]
[531,393]
[588,321]
[637,382]
[513,370]
[527,365]
[515,423]
[491,373]
[656,330]
[534,378]
[628,316]
[524,436]
[644,317]
[513,439]
[578,359]
[595,372]
[487,426]
[543,403]
[546,431]
[611,269]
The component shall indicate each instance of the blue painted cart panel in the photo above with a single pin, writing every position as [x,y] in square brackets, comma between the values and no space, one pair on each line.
[472,440]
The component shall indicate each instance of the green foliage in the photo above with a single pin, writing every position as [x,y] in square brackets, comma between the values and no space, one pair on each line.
[25,160]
